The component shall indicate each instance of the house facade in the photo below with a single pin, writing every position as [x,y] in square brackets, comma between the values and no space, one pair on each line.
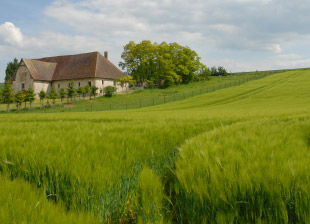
[91,69]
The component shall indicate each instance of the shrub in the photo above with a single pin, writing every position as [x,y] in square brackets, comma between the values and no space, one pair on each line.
[109,91]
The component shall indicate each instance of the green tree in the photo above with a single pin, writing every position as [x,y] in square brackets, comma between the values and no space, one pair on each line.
[222,71]
[19,99]
[62,94]
[86,90]
[7,94]
[25,98]
[109,91]
[125,81]
[71,90]
[214,71]
[93,91]
[186,61]
[79,91]
[42,96]
[53,95]
[163,64]
[1,98]
[30,96]
[138,60]
[11,69]
[204,73]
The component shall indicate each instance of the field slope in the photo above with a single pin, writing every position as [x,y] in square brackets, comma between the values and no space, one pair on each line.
[235,155]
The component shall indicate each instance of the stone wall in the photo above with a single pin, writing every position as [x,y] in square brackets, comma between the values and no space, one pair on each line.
[39,85]
[100,83]
[23,78]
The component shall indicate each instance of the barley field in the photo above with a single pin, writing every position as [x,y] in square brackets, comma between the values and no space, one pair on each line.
[236,155]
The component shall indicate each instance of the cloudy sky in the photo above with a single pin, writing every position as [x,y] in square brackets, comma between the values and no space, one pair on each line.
[241,35]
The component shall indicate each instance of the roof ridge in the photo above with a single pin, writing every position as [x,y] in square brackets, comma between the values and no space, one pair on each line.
[68,55]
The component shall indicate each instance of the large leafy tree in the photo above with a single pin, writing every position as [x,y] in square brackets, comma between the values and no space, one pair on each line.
[11,69]
[162,64]
[7,95]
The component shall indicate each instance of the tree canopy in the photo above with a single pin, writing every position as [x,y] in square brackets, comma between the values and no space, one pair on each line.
[162,64]
[30,96]
[19,99]
[11,68]
[7,95]
[53,95]
[218,71]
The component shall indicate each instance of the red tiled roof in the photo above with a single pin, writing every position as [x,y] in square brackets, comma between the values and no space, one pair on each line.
[80,66]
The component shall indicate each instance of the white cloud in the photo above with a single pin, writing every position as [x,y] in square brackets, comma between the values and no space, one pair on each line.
[47,43]
[276,48]
[289,56]
[252,25]
[9,34]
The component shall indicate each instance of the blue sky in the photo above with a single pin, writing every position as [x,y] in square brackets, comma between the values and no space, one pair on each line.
[241,35]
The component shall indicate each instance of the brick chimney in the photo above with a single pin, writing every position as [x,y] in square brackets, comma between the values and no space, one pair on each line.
[106,55]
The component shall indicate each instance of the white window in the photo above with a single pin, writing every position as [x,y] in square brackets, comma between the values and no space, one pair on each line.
[102,82]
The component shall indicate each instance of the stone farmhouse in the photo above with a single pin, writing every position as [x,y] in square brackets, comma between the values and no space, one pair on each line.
[82,69]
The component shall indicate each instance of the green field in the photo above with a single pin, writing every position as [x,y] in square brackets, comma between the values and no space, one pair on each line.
[141,98]
[235,155]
